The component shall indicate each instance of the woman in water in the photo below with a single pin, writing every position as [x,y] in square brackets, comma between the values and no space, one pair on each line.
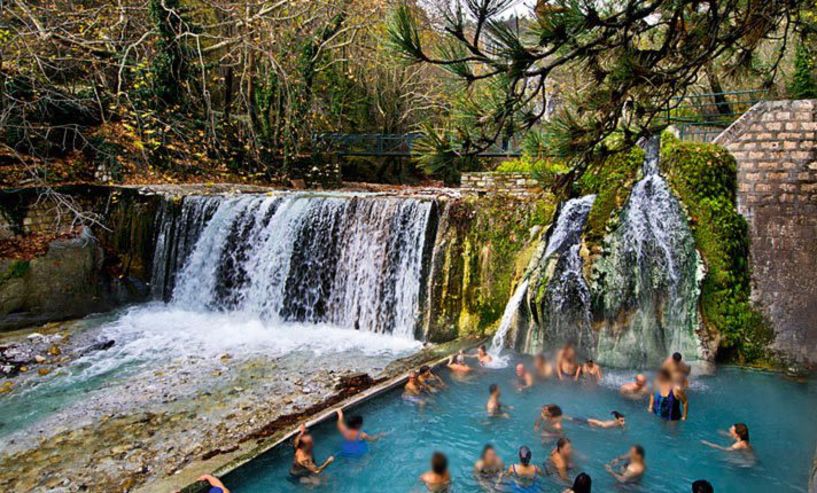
[668,401]
[523,474]
[739,432]
[566,365]
[354,438]
[482,355]
[544,369]
[304,469]
[589,370]
[582,484]
[489,463]
[438,479]
[561,458]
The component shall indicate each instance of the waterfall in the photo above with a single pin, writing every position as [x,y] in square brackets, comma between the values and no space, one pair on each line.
[566,297]
[345,260]
[508,316]
[646,294]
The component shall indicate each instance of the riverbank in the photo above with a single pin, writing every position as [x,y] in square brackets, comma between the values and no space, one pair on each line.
[157,429]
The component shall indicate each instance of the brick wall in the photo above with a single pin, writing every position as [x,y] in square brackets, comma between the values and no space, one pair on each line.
[516,184]
[775,146]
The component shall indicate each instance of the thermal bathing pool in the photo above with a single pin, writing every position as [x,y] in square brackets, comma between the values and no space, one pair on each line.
[779,413]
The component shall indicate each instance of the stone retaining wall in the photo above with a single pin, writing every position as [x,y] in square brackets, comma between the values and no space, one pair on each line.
[775,146]
[516,184]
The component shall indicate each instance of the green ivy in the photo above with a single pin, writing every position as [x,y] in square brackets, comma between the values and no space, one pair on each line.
[704,177]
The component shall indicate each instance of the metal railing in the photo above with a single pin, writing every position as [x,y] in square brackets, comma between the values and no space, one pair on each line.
[386,145]
[702,117]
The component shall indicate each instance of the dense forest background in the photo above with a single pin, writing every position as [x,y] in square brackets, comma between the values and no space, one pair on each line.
[143,91]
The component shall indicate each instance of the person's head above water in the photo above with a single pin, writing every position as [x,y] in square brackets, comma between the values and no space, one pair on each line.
[424,369]
[590,363]
[439,463]
[702,486]
[564,446]
[355,422]
[520,369]
[305,442]
[482,349]
[637,453]
[493,389]
[741,431]
[676,357]
[488,453]
[582,484]
[525,455]
[552,411]
[618,416]
[640,380]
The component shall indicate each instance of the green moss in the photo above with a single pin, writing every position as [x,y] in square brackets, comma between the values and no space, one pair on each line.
[704,178]
[611,181]
[16,270]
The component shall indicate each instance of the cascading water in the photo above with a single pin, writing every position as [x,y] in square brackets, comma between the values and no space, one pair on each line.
[557,274]
[508,316]
[645,290]
[349,261]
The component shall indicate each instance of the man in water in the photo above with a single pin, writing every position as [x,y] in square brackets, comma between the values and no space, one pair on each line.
[304,468]
[636,389]
[632,470]
[561,458]
[668,401]
[482,355]
[678,369]
[438,478]
[702,486]
[523,377]
[494,406]
[489,463]
[354,438]
[739,432]
[216,486]
[618,421]
[458,365]
[589,370]
[429,380]
[549,421]
[566,365]
[542,366]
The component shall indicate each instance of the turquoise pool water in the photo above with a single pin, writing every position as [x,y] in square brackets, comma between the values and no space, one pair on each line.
[779,413]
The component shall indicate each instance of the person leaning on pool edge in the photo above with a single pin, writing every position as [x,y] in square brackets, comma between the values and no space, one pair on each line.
[216,486]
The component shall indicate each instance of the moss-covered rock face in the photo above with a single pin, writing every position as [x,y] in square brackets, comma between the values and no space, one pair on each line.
[482,246]
[704,177]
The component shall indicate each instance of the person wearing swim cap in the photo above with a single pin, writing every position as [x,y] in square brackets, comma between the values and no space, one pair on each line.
[524,473]
[216,486]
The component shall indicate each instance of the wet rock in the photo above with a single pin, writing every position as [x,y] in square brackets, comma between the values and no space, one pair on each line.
[54,350]
[354,381]
[6,387]
[39,358]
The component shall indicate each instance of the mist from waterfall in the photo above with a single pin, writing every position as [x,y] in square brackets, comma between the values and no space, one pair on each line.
[349,261]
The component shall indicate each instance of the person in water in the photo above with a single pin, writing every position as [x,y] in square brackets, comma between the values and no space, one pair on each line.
[561,458]
[542,366]
[631,466]
[413,387]
[582,484]
[524,473]
[438,478]
[739,432]
[678,369]
[618,421]
[494,406]
[429,380]
[589,370]
[550,421]
[304,468]
[668,401]
[216,486]
[566,365]
[457,364]
[636,389]
[524,379]
[482,355]
[702,486]
[489,463]
[354,438]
